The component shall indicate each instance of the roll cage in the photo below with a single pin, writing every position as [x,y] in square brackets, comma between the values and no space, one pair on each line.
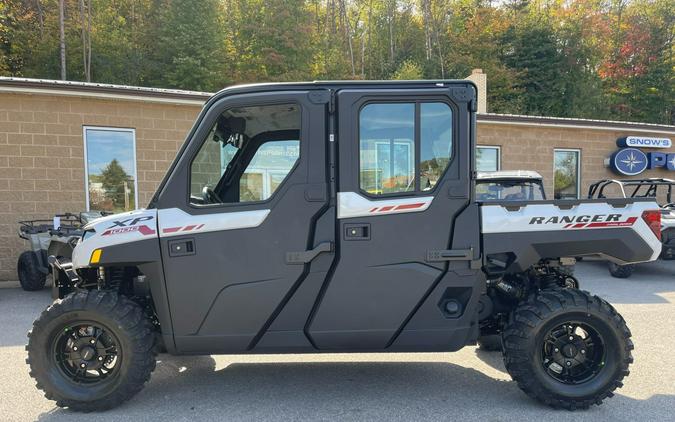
[633,188]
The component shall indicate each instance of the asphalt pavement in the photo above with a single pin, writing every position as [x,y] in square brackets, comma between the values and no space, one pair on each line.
[464,386]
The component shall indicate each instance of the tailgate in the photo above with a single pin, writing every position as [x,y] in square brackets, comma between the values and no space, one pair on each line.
[522,233]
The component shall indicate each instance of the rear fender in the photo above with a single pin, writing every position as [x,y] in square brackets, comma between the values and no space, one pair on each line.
[534,231]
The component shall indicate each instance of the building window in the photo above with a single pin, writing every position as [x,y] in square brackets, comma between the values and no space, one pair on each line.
[488,158]
[389,146]
[110,169]
[566,171]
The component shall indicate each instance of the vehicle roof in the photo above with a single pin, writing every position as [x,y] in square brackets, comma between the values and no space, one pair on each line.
[509,174]
[276,86]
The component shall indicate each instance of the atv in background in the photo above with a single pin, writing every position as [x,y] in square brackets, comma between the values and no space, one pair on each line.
[661,190]
[56,237]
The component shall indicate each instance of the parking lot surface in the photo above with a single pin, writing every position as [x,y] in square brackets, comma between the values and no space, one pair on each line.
[465,386]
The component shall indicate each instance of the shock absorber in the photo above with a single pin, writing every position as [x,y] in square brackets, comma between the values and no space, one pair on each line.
[548,280]
[100,280]
[508,288]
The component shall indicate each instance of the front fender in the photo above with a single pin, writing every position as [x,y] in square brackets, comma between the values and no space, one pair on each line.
[125,238]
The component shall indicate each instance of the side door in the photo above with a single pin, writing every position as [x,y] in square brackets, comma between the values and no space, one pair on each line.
[404,166]
[237,216]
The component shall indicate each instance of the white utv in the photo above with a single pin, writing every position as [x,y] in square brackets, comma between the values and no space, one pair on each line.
[338,217]
[658,189]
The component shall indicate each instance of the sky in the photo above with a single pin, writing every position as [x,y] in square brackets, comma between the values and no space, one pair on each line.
[104,145]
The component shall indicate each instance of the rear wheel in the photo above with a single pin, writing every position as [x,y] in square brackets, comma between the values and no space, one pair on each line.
[567,348]
[30,276]
[621,271]
[91,350]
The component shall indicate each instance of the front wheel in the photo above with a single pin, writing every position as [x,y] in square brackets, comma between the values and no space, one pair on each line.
[567,348]
[91,350]
[28,269]
[620,271]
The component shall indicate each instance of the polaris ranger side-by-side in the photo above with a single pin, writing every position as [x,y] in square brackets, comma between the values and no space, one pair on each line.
[338,217]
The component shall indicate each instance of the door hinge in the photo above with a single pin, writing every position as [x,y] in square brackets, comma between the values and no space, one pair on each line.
[331,102]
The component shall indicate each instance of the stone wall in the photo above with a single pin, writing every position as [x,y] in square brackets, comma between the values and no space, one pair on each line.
[42,155]
[531,148]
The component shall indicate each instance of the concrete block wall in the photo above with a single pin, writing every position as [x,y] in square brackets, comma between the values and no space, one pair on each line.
[532,147]
[42,155]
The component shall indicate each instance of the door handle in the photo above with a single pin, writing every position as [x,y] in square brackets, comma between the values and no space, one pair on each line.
[296,258]
[181,247]
[357,232]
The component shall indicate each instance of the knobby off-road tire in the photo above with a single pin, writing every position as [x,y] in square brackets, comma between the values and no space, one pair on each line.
[529,348]
[490,342]
[107,333]
[620,271]
[30,276]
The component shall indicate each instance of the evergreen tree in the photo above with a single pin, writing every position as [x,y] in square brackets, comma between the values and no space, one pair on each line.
[189,46]
[116,183]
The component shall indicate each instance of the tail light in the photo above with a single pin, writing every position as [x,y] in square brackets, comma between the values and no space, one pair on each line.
[653,220]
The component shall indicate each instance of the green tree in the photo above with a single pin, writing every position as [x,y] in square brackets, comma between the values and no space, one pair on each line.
[531,51]
[408,70]
[116,184]
[189,50]
[579,58]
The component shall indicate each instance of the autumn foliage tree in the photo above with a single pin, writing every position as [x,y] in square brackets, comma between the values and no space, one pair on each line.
[608,59]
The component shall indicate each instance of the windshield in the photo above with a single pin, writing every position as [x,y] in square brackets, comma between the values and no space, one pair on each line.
[509,190]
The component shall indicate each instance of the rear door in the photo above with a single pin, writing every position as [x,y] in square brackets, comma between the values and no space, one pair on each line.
[237,217]
[403,178]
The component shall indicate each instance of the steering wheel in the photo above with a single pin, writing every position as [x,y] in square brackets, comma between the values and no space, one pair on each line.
[210,196]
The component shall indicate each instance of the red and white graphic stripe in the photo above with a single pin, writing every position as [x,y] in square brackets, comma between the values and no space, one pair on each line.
[182,228]
[144,230]
[176,222]
[388,208]
[351,204]
[629,222]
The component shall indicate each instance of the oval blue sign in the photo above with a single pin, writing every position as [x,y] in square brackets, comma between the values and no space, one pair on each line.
[643,142]
[629,161]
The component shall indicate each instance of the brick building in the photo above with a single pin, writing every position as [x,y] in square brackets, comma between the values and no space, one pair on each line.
[53,136]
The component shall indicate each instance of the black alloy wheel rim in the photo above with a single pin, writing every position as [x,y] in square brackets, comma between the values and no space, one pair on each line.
[573,353]
[87,352]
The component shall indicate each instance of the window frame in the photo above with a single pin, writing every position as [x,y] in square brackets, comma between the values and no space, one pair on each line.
[499,155]
[417,142]
[86,164]
[578,169]
[282,185]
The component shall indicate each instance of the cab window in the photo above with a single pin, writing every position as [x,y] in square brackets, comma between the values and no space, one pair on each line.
[248,154]
[403,147]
